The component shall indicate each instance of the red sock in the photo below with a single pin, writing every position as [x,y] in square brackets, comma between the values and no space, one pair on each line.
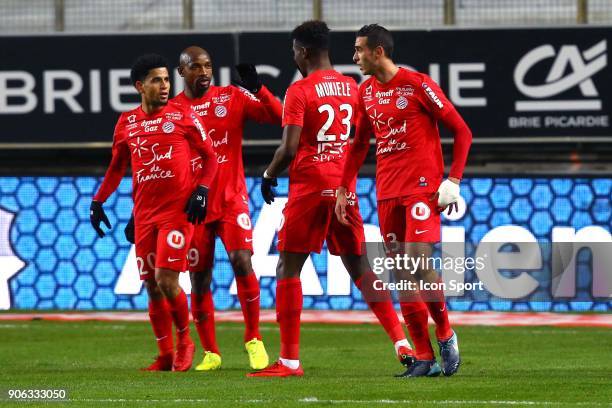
[439,312]
[380,303]
[180,315]
[288,310]
[161,320]
[248,294]
[416,316]
[203,312]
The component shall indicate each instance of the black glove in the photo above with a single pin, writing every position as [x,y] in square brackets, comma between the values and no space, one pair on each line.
[196,206]
[267,191]
[96,216]
[248,78]
[129,230]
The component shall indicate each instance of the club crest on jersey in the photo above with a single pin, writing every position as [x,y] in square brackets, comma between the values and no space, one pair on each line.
[244,221]
[420,211]
[176,239]
[131,118]
[168,127]
[220,111]
[401,103]
[432,95]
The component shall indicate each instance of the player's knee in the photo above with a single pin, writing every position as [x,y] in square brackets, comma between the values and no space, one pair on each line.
[282,272]
[153,289]
[354,266]
[241,262]
[200,281]
[167,282]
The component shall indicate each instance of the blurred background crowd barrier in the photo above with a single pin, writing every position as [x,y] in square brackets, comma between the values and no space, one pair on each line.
[47,16]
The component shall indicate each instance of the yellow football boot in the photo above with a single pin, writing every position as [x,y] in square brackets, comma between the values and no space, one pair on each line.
[211,361]
[258,357]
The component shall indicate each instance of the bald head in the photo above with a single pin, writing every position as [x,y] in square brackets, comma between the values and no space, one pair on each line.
[191,54]
[195,67]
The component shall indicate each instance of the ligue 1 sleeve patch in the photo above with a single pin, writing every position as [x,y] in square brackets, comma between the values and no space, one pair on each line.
[432,95]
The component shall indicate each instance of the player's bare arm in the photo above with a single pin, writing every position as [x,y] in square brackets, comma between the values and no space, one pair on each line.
[283,157]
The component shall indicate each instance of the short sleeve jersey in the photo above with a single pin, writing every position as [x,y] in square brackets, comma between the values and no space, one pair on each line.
[324,105]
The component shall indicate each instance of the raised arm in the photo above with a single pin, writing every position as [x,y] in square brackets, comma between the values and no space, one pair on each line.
[263,107]
[260,104]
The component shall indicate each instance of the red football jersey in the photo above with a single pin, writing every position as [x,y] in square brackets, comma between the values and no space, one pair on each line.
[324,104]
[159,147]
[403,115]
[224,110]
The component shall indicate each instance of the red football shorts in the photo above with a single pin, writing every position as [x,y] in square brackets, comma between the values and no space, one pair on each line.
[310,219]
[162,245]
[409,219]
[235,230]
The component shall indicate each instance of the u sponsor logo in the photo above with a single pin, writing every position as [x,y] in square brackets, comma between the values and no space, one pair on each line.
[176,239]
[420,211]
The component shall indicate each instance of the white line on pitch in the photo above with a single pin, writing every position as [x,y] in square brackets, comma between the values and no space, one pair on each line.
[315,400]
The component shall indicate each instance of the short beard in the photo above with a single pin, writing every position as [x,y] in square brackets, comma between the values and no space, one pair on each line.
[199,91]
[158,103]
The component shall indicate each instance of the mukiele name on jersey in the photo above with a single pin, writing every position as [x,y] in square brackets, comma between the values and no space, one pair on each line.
[333,89]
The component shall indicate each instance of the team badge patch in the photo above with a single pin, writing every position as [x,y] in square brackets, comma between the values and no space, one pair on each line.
[244,221]
[176,239]
[168,127]
[220,111]
[420,211]
[401,103]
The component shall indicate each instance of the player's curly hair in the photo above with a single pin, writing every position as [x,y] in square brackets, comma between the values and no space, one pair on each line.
[313,34]
[377,35]
[145,63]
